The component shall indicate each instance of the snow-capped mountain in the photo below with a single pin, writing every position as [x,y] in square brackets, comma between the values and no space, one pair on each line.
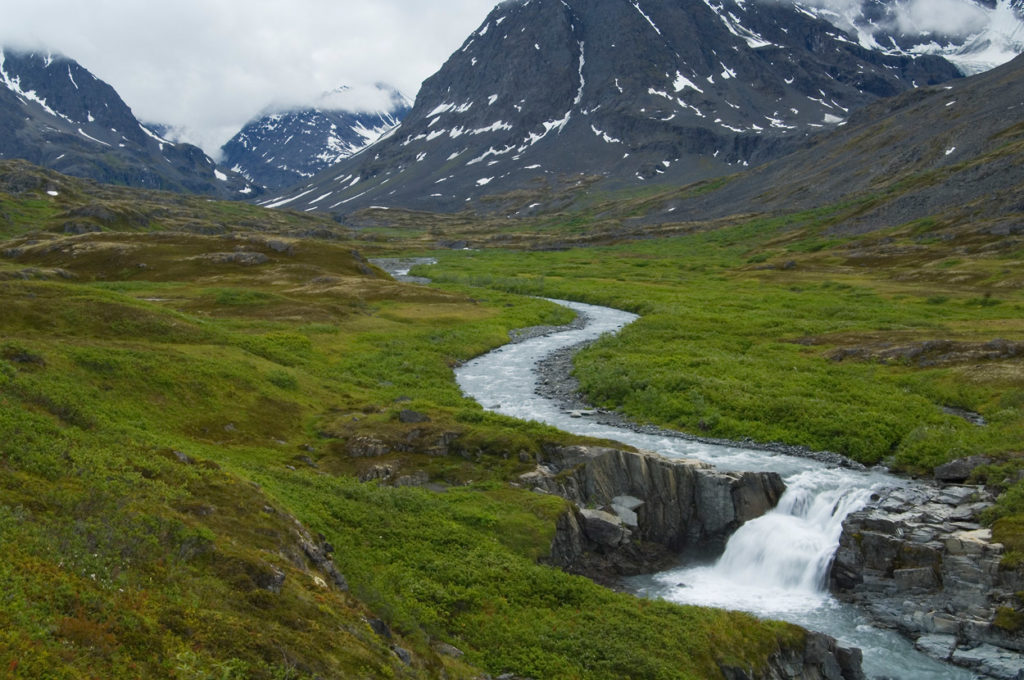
[55,113]
[630,90]
[281,149]
[976,35]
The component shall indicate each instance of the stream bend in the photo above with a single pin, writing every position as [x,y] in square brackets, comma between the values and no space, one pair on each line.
[775,566]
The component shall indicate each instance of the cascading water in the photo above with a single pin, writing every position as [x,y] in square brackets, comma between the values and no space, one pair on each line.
[775,566]
[791,548]
[777,563]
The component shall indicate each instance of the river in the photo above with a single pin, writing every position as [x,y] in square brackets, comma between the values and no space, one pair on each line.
[775,566]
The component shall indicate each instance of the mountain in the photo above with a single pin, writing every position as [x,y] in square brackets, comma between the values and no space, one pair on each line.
[630,90]
[55,113]
[943,163]
[951,154]
[976,35]
[281,149]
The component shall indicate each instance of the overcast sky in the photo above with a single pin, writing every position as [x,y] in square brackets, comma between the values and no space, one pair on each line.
[206,67]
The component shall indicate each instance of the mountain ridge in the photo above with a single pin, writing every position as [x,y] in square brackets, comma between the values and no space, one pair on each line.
[57,114]
[630,90]
[954,147]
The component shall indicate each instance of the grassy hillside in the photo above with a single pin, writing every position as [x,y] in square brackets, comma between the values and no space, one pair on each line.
[184,422]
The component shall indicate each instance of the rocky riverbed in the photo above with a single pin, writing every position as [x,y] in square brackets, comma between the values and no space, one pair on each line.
[919,561]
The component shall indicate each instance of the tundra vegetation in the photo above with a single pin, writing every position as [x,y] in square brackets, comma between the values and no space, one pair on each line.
[190,392]
[178,417]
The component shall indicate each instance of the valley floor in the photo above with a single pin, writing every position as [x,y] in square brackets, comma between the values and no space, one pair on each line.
[195,418]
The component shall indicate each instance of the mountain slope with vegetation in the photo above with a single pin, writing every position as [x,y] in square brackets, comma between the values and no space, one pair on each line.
[945,161]
[634,93]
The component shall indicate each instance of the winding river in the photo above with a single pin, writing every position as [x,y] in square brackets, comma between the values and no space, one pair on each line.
[775,566]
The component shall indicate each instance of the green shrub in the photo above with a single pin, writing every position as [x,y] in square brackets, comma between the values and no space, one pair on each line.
[283,379]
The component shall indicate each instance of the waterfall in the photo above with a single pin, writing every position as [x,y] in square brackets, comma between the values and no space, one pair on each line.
[791,547]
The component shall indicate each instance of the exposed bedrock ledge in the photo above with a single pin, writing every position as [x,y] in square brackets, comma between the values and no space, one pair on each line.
[637,510]
[919,561]
[820,659]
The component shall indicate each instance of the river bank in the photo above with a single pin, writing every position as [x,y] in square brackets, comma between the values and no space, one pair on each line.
[550,394]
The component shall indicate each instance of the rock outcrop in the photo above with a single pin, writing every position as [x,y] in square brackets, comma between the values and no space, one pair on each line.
[820,659]
[633,510]
[919,561]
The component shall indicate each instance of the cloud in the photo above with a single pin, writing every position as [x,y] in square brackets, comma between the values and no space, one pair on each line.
[952,18]
[206,67]
[944,17]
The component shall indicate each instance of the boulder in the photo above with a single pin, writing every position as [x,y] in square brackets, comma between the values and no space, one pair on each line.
[821,658]
[407,416]
[377,472]
[938,646]
[992,661]
[445,649]
[959,470]
[368,447]
[604,528]
[625,507]
[403,654]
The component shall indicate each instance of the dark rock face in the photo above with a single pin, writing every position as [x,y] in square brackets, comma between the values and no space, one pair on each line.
[637,509]
[281,149]
[918,561]
[630,90]
[56,114]
[821,659]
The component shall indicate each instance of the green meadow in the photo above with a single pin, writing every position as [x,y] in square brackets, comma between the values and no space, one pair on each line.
[170,431]
[770,330]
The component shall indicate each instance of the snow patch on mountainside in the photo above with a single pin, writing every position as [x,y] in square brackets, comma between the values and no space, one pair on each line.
[282,148]
[13,84]
[625,91]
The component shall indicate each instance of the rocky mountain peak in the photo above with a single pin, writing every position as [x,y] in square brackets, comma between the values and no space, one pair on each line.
[284,147]
[631,90]
[55,113]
